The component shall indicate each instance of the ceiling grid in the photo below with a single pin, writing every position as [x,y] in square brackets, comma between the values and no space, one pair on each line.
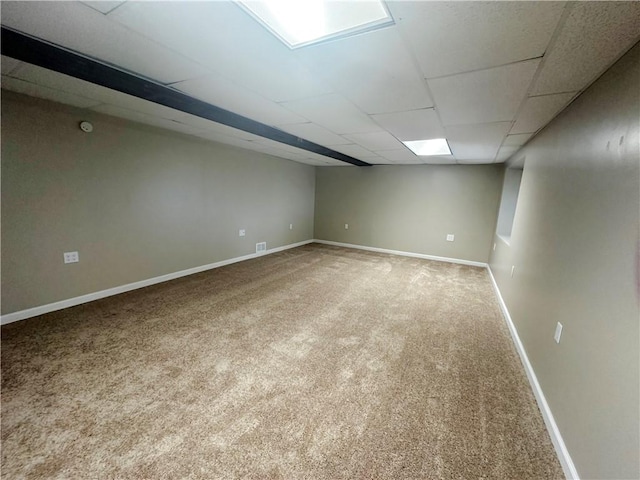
[485,75]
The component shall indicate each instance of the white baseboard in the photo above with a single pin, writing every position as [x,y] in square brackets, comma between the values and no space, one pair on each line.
[404,254]
[71,302]
[554,432]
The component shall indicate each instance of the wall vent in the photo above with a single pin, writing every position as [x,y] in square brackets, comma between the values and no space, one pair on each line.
[261,247]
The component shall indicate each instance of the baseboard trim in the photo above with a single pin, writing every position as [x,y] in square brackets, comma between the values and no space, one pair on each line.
[403,254]
[554,432]
[72,302]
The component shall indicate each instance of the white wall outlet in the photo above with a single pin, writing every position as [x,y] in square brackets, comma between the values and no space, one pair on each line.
[558,334]
[346,226]
[71,257]
[513,267]
[450,237]
[261,247]
[291,226]
[241,233]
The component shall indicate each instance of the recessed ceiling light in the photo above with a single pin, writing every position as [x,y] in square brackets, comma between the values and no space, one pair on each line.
[298,23]
[435,146]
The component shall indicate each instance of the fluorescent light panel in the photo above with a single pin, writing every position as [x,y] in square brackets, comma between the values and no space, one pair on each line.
[434,146]
[304,22]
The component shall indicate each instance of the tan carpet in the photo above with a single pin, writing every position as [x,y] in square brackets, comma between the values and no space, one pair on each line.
[318,362]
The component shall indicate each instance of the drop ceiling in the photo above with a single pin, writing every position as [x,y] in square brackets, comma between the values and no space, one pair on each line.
[485,75]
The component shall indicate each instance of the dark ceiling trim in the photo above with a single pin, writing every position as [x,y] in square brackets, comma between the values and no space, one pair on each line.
[52,57]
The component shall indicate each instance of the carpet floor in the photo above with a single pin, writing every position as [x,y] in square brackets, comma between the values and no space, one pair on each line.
[313,363]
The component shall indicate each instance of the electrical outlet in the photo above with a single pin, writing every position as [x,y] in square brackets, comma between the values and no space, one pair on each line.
[71,257]
[291,226]
[558,334]
[241,233]
[451,237]
[346,226]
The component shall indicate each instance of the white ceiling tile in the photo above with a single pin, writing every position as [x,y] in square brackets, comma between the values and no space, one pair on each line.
[374,71]
[8,65]
[594,35]
[455,37]
[516,140]
[376,141]
[283,81]
[375,160]
[208,125]
[505,152]
[538,111]
[83,29]
[400,155]
[103,6]
[221,138]
[59,81]
[317,159]
[121,112]
[327,161]
[492,95]
[473,162]
[312,162]
[337,164]
[31,89]
[225,39]
[315,133]
[226,94]
[355,151]
[292,153]
[439,160]
[410,125]
[282,146]
[334,113]
[268,149]
[478,143]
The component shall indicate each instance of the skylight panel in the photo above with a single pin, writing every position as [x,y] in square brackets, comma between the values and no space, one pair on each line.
[298,23]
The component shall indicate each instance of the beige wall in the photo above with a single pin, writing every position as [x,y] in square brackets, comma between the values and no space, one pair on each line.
[135,202]
[411,208]
[575,247]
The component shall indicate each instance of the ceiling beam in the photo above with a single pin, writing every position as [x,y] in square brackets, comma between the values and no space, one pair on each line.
[53,57]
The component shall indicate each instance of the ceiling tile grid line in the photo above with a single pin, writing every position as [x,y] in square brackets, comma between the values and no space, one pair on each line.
[204,69]
[103,6]
[27,88]
[593,37]
[491,95]
[362,67]
[454,37]
[552,41]
[223,38]
[446,69]
[484,68]
[624,16]
[435,99]
[434,125]
[83,29]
